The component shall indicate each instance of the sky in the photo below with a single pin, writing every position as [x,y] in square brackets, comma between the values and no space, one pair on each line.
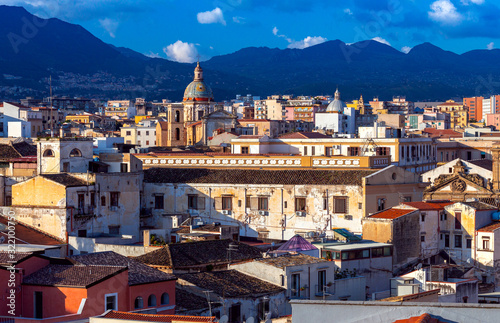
[185,30]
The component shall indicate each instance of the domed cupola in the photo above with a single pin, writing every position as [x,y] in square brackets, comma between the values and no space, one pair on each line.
[198,90]
[337,105]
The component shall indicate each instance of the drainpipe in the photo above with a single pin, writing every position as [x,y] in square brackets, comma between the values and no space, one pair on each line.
[210,205]
[283,217]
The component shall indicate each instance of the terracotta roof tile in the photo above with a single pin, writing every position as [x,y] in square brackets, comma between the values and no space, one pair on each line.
[7,257]
[247,176]
[187,301]
[490,227]
[304,135]
[30,235]
[231,284]
[442,133]
[428,206]
[391,213]
[66,179]
[138,273]
[424,318]
[157,317]
[199,253]
[71,275]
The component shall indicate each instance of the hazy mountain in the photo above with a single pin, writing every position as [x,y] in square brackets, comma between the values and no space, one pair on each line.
[32,49]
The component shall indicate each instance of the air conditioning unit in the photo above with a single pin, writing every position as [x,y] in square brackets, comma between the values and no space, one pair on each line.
[348,217]
[226,212]
[300,213]
[263,213]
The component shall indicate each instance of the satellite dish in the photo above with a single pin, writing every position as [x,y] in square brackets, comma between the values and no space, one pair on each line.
[224,319]
[250,320]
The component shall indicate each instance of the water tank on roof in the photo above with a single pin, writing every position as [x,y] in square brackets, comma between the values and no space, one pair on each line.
[496,216]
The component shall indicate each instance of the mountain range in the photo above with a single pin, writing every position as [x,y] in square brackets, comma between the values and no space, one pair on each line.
[33,49]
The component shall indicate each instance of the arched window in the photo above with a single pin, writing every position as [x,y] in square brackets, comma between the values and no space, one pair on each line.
[48,153]
[177,134]
[103,200]
[139,303]
[165,299]
[177,116]
[152,300]
[75,153]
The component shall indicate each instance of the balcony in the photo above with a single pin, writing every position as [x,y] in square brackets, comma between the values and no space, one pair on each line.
[84,211]
[323,290]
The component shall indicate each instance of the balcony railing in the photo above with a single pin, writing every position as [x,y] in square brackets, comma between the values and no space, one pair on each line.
[85,210]
[323,290]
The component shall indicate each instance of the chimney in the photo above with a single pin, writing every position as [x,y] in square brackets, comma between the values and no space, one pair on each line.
[495,156]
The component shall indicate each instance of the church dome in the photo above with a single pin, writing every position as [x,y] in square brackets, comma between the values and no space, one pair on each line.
[198,90]
[337,105]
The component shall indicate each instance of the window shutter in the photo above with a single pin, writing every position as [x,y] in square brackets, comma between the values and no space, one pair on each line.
[218,203]
[254,203]
[201,202]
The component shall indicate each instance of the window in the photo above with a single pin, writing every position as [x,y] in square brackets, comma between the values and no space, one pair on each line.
[177,134]
[103,200]
[114,229]
[123,167]
[285,204]
[443,216]
[177,116]
[321,280]
[48,153]
[407,199]
[81,202]
[165,299]
[313,150]
[422,217]
[196,202]
[227,202]
[147,133]
[458,219]
[138,133]
[469,155]
[469,243]
[147,142]
[340,205]
[300,204]
[422,238]
[244,150]
[381,204]
[353,151]
[152,300]
[458,241]
[486,244]
[360,206]
[263,203]
[92,199]
[159,202]
[128,133]
[138,303]
[262,310]
[111,302]
[75,153]
[305,151]
[383,151]
[295,288]
[115,196]
[446,240]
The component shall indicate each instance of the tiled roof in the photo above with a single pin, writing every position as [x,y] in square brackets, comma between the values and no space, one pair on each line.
[442,133]
[490,227]
[156,317]
[6,257]
[480,206]
[231,283]
[16,150]
[483,163]
[391,213]
[187,301]
[247,176]
[424,318]
[304,135]
[199,253]
[29,235]
[290,260]
[138,273]
[66,179]
[72,275]
[428,206]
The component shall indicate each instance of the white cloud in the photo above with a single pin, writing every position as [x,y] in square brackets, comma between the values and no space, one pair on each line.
[275,31]
[181,52]
[490,46]
[211,17]
[307,42]
[152,55]
[406,49]
[239,20]
[381,40]
[467,2]
[444,12]
[109,25]
[348,11]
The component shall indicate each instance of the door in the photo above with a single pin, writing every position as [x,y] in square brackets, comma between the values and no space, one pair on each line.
[38,305]
[235,313]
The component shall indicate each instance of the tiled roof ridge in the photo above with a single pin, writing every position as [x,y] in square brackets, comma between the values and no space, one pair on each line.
[113,314]
[38,230]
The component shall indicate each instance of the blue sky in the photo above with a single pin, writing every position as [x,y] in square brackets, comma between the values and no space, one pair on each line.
[183,29]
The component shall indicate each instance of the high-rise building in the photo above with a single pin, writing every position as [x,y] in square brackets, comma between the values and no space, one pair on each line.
[475,106]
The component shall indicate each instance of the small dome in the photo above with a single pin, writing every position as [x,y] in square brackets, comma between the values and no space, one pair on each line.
[337,105]
[198,90]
